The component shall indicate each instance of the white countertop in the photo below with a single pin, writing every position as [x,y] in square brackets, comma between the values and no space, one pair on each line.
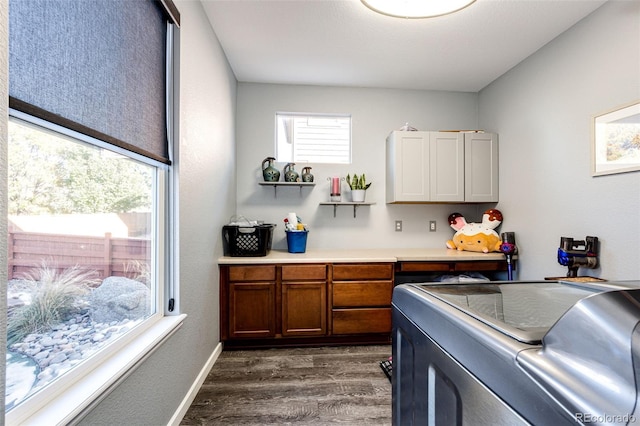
[363,255]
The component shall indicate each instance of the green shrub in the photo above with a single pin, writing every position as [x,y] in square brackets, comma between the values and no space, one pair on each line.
[54,297]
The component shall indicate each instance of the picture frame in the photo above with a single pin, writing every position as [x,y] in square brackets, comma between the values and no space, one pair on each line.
[616,140]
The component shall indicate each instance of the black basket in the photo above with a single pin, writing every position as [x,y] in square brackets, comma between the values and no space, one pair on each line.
[247,240]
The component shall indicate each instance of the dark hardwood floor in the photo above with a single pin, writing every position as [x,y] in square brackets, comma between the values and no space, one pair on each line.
[298,386]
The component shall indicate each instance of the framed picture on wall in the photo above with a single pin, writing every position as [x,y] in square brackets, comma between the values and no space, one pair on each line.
[616,141]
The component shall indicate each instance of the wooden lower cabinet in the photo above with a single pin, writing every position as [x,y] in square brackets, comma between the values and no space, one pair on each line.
[361,298]
[272,302]
[252,310]
[289,304]
[304,300]
[269,305]
[250,295]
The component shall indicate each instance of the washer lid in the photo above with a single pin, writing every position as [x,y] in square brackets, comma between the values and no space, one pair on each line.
[524,311]
[589,359]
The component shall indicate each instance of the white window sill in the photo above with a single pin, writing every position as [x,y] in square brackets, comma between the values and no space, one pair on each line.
[72,403]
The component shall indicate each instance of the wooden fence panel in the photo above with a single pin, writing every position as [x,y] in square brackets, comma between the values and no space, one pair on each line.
[130,257]
[108,256]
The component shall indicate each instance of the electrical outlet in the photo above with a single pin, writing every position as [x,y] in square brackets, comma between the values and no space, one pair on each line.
[398,226]
[432,226]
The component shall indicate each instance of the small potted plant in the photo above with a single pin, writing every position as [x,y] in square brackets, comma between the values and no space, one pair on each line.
[359,186]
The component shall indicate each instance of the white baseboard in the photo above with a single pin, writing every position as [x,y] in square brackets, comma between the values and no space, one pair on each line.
[195,387]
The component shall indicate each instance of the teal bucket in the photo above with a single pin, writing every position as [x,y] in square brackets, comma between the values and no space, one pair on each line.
[297,241]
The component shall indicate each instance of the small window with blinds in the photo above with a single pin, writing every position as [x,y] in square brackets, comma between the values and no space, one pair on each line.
[313,138]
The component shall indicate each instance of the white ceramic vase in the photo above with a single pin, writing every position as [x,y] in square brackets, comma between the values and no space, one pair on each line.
[357,195]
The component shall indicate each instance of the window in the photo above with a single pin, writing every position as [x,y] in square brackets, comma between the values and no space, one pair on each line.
[90,130]
[313,138]
[84,257]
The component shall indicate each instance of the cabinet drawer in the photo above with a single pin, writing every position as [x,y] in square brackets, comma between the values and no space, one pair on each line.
[362,293]
[481,266]
[252,273]
[426,266]
[362,271]
[361,321]
[304,272]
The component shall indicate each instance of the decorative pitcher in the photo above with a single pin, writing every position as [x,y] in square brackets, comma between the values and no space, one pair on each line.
[290,175]
[270,173]
[306,174]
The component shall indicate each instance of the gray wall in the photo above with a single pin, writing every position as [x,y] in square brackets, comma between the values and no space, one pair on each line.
[375,113]
[543,109]
[207,198]
[4,101]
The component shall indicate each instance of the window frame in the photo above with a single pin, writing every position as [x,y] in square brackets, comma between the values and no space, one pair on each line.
[88,380]
[72,396]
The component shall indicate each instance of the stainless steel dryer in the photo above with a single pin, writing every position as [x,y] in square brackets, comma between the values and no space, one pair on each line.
[543,353]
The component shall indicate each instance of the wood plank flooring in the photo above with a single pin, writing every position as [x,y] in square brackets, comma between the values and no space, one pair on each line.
[298,386]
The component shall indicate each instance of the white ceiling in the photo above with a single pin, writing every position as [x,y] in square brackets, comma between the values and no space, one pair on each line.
[343,43]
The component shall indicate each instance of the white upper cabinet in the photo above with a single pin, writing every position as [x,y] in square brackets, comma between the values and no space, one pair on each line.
[441,167]
[480,167]
[446,166]
[407,175]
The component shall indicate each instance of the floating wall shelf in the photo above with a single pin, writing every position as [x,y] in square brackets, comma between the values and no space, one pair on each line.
[277,184]
[345,203]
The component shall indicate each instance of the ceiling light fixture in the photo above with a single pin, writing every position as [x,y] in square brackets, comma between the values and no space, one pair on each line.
[416,8]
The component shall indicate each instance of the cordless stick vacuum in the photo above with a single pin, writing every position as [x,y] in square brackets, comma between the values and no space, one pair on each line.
[578,253]
[508,247]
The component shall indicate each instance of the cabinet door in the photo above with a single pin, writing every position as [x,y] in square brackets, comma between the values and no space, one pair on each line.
[252,309]
[447,166]
[481,167]
[407,167]
[304,308]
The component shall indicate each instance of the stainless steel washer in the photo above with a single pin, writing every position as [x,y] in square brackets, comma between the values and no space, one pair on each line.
[544,353]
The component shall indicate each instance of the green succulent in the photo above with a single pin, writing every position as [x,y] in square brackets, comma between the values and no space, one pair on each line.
[358,182]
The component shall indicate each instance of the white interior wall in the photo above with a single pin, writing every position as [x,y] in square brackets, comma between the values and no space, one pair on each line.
[4,101]
[543,109]
[207,198]
[375,113]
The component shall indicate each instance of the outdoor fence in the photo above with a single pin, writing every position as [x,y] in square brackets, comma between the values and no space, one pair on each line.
[108,256]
